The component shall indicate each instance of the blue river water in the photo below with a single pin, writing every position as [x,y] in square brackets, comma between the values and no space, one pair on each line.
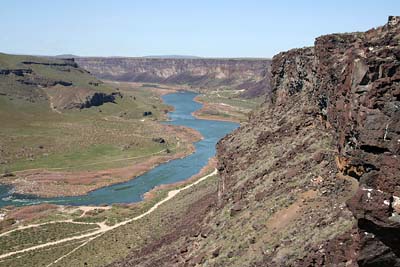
[170,172]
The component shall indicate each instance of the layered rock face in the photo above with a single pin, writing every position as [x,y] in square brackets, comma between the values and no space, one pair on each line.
[348,86]
[65,98]
[249,74]
[360,76]
[62,82]
[313,178]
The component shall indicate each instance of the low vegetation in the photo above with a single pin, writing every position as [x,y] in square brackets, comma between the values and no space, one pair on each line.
[226,105]
[110,246]
[33,136]
[29,237]
[60,123]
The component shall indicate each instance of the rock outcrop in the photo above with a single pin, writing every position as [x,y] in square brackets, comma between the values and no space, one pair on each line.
[80,98]
[66,62]
[359,74]
[313,178]
[250,75]
[17,72]
[61,81]
[347,85]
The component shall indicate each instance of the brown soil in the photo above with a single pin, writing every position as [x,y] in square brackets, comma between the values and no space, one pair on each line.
[283,217]
[32,212]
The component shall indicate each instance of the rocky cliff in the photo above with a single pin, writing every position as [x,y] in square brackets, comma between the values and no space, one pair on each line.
[313,178]
[252,75]
[334,112]
[61,81]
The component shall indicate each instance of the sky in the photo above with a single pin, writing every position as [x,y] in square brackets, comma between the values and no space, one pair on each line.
[207,28]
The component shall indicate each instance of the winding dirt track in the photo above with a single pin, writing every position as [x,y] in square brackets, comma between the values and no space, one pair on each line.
[103,227]
[85,209]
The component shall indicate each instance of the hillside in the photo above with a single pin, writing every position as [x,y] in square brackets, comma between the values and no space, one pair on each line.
[313,178]
[64,132]
[249,75]
[62,81]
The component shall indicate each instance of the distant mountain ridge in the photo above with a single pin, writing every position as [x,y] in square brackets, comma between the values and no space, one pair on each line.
[63,56]
[250,75]
[171,56]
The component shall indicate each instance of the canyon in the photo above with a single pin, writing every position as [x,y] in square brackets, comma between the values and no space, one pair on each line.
[249,75]
[312,179]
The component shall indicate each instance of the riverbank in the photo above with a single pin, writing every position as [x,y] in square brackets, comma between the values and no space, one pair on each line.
[213,111]
[111,181]
[48,178]
[216,105]
[46,153]
[211,165]
[97,229]
[17,218]
[225,106]
[61,183]
[52,230]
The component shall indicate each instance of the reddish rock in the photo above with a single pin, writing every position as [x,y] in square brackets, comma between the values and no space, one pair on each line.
[339,98]
[350,84]
[318,157]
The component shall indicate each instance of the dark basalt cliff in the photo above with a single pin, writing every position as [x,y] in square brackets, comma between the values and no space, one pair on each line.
[252,75]
[80,98]
[346,90]
[34,78]
[313,179]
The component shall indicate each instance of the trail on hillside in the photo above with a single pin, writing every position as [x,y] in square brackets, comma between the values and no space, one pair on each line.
[85,209]
[103,228]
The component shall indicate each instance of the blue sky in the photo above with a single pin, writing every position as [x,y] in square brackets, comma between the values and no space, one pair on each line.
[210,28]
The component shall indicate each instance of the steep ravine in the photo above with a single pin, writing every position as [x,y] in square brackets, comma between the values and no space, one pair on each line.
[313,178]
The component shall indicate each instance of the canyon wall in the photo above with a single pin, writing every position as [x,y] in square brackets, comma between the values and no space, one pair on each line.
[346,90]
[250,75]
[313,178]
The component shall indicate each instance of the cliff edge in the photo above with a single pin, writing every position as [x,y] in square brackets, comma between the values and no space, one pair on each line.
[331,126]
[313,178]
[249,75]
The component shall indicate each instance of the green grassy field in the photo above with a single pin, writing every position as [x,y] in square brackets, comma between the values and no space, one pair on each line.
[112,245]
[228,104]
[233,98]
[33,135]
[41,257]
[21,239]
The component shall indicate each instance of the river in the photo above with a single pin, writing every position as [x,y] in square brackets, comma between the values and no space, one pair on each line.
[167,173]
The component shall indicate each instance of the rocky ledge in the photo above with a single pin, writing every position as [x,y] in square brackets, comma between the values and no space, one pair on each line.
[347,85]
[313,179]
[249,75]
[66,85]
